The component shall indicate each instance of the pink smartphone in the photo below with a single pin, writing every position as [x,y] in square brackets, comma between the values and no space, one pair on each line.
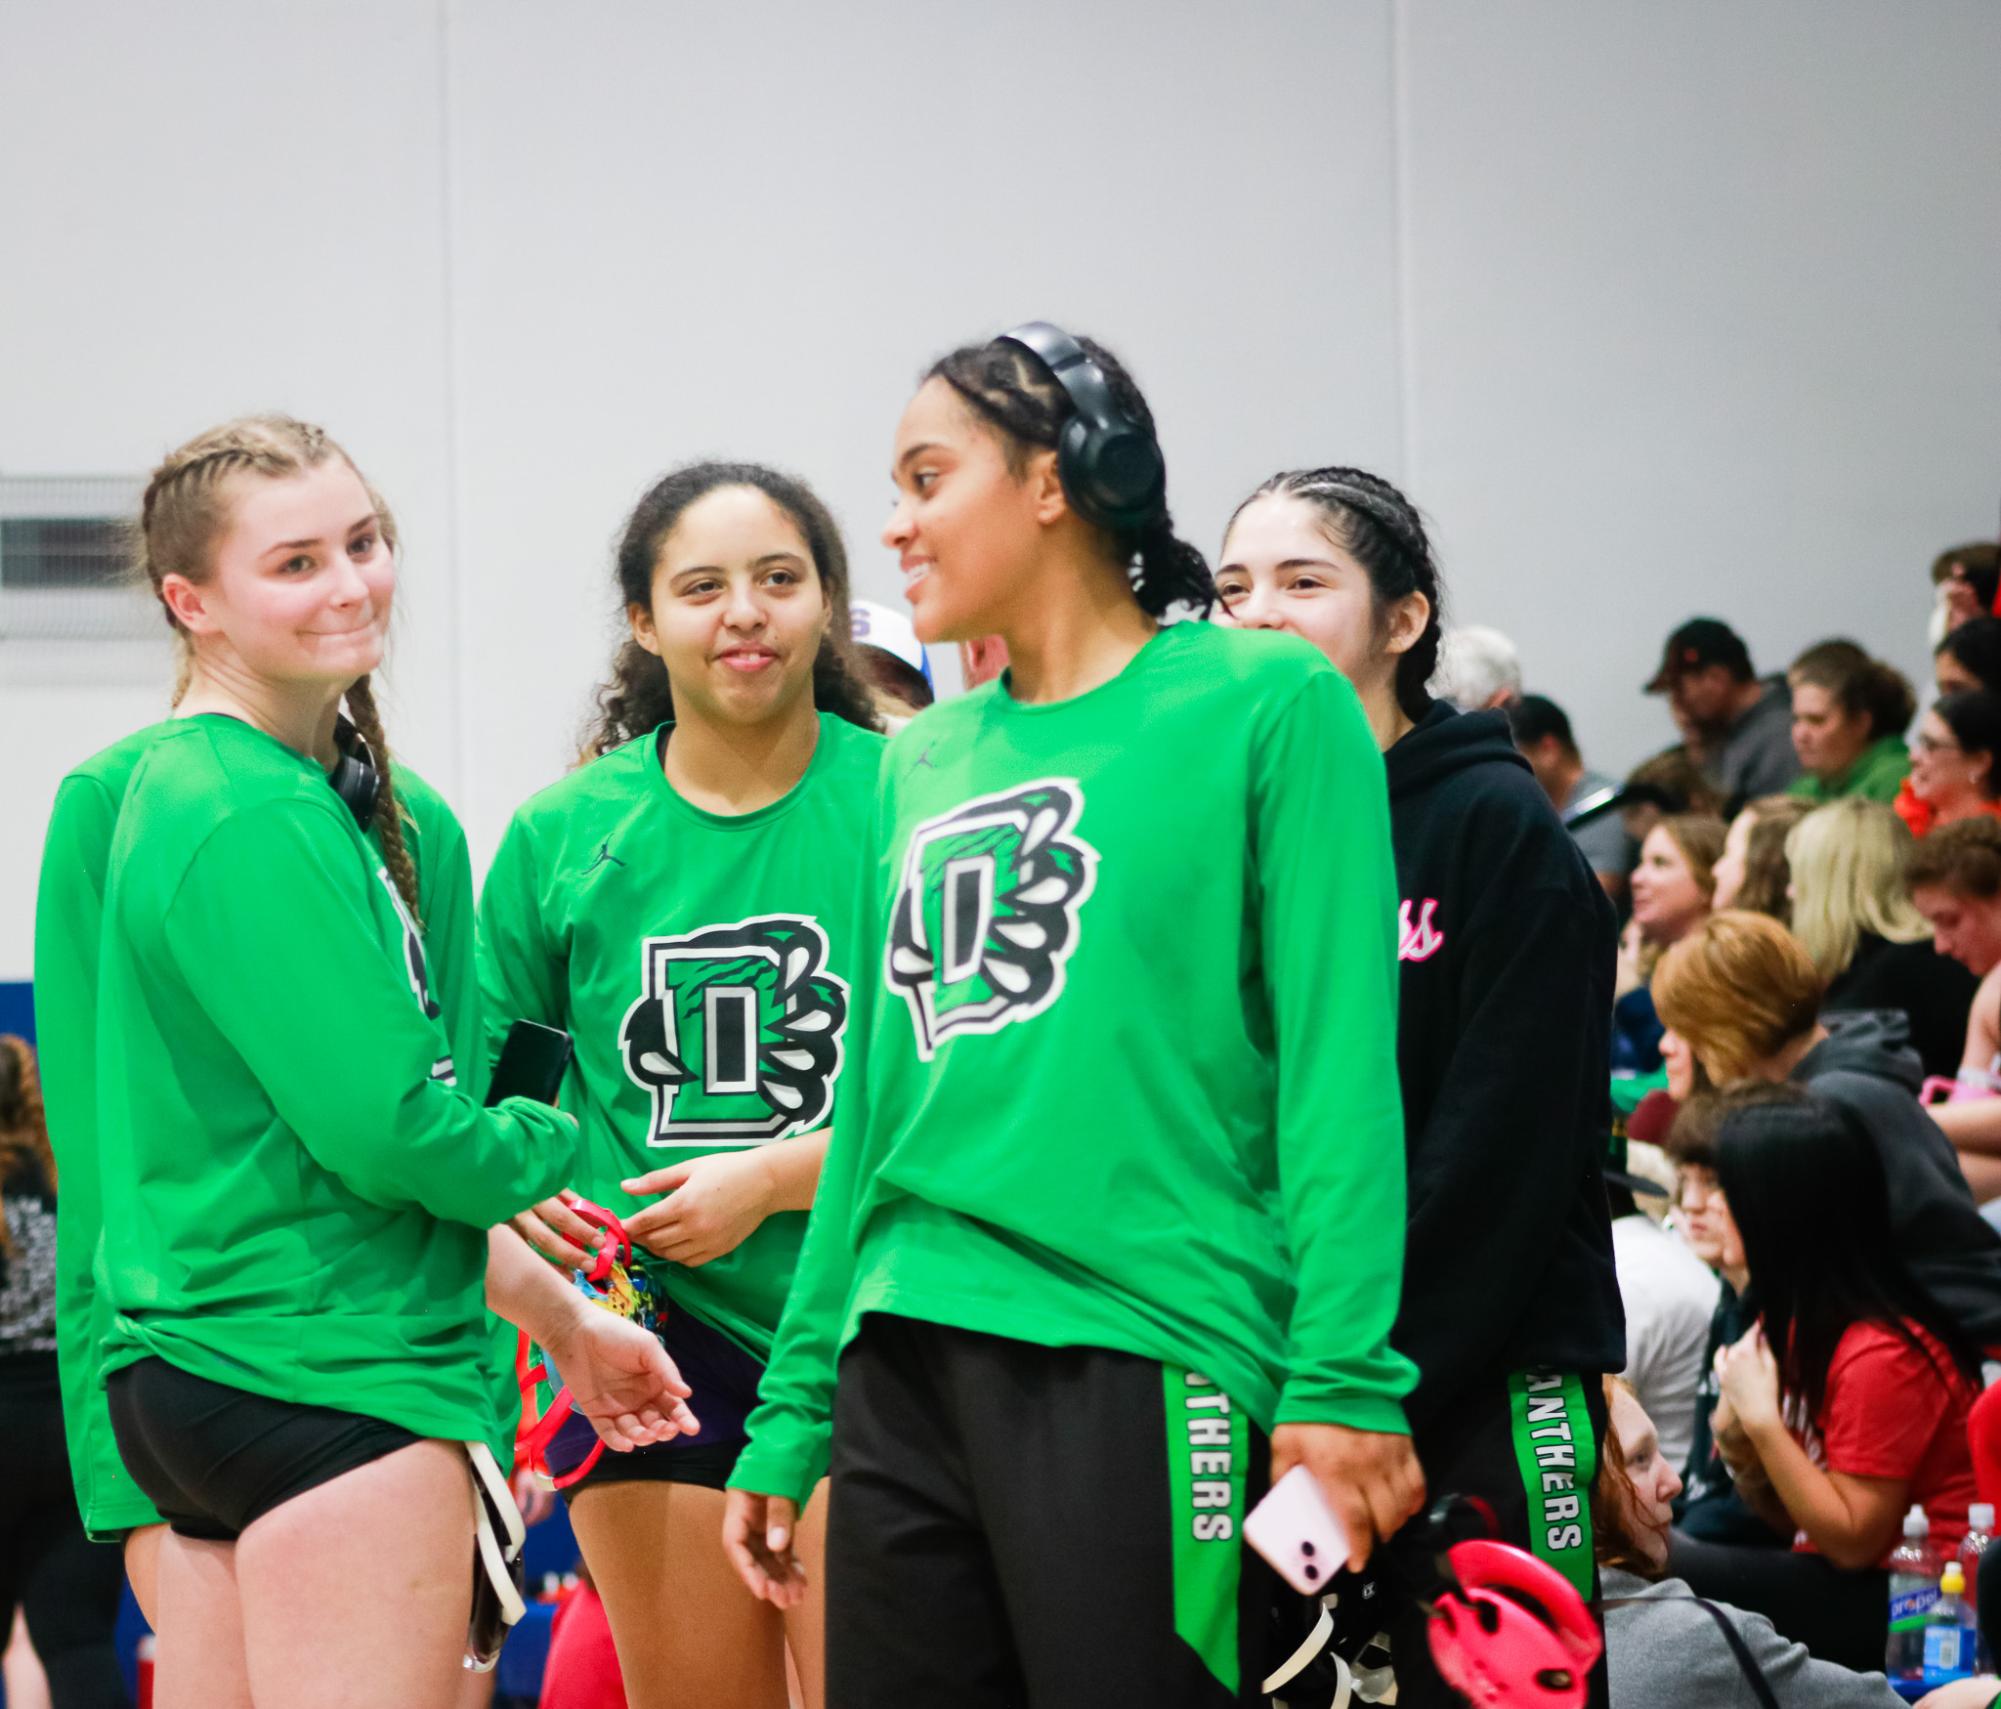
[1296,1532]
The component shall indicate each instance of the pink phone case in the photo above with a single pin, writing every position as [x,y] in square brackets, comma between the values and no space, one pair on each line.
[1296,1531]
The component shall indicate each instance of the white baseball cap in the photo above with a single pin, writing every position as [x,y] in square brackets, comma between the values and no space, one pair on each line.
[883,627]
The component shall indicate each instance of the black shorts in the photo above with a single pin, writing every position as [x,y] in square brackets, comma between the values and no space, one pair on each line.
[212,1458]
[1011,1523]
[1526,1443]
[724,1379]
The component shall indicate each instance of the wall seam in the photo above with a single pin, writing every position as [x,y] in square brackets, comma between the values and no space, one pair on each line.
[461,721]
[1401,243]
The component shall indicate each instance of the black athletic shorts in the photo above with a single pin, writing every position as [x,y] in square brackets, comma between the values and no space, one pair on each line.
[1057,1527]
[1526,1443]
[724,1378]
[212,1458]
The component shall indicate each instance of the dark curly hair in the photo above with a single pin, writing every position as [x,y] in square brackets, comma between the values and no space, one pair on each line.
[639,698]
[1381,528]
[1015,395]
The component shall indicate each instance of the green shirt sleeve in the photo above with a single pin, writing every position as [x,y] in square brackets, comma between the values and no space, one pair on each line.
[791,1429]
[1327,906]
[521,974]
[273,935]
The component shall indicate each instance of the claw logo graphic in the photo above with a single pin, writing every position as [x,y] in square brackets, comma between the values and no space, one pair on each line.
[986,913]
[736,1032]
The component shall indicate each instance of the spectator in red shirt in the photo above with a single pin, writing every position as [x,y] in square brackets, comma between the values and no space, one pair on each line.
[1847,1402]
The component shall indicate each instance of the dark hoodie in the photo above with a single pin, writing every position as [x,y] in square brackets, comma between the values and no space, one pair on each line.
[1866,1064]
[1508,948]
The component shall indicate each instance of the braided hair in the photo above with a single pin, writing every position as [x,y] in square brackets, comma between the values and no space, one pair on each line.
[184,513]
[639,698]
[1009,390]
[24,1129]
[1382,530]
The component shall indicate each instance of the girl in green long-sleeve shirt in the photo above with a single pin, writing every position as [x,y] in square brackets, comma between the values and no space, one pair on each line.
[690,907]
[1118,1190]
[295,1194]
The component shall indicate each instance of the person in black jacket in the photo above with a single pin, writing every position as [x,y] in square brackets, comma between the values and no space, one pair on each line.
[1511,1303]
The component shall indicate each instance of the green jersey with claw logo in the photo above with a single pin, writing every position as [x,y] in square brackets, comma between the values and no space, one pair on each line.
[1127,1068]
[703,964]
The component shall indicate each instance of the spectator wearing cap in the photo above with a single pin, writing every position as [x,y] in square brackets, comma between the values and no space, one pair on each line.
[892,662]
[1850,713]
[1737,728]
[1479,670]
[1543,737]
[1955,763]
[1954,878]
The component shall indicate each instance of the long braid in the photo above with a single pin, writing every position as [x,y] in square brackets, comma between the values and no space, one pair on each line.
[24,1127]
[388,810]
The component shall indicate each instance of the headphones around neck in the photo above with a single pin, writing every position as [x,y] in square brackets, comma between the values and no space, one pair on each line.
[354,777]
[1112,471]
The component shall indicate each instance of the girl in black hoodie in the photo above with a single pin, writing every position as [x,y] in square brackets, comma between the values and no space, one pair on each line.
[1510,1300]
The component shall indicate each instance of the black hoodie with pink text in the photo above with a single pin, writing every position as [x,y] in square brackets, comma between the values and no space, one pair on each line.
[1508,947]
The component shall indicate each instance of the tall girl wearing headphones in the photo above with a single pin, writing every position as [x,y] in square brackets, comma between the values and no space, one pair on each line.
[1510,1303]
[294,1195]
[689,906]
[1103,1211]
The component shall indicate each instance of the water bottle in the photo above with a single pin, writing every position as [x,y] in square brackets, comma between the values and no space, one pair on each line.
[1913,1592]
[1949,1637]
[1979,1533]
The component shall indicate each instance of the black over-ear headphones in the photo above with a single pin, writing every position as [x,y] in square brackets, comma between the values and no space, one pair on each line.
[354,777]
[1112,471]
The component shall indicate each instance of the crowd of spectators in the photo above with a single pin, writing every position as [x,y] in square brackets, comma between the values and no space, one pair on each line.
[1807,1095]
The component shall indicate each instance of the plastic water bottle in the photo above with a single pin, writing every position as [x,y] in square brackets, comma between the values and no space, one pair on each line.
[1979,1533]
[1914,1572]
[1949,1636]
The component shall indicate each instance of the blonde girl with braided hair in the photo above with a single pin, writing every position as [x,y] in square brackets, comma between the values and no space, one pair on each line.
[293,1193]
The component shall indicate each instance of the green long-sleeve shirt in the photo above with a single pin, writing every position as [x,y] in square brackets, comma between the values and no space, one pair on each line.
[1128,1073]
[300,1192]
[702,962]
[68,916]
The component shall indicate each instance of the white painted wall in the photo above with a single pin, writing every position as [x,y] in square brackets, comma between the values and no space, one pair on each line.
[1658,309]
